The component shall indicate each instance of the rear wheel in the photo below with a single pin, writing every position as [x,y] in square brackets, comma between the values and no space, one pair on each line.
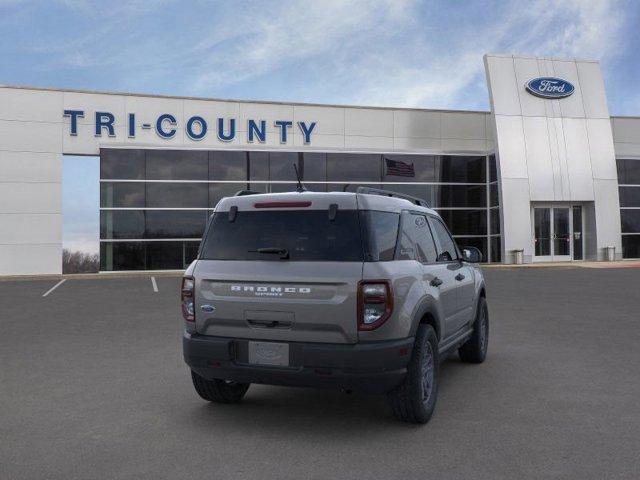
[219,391]
[474,350]
[415,399]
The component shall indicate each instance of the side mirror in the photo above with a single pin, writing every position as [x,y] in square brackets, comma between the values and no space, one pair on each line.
[471,255]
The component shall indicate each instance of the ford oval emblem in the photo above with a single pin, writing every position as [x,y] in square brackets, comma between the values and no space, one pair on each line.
[207,308]
[549,87]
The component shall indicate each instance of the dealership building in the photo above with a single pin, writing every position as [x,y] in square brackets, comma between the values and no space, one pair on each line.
[546,175]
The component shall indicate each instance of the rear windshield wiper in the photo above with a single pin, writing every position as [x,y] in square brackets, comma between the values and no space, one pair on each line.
[283,252]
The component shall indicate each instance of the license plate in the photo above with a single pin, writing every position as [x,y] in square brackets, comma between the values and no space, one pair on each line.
[269,353]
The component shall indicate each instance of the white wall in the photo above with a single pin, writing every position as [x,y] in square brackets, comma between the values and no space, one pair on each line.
[558,150]
[626,136]
[34,134]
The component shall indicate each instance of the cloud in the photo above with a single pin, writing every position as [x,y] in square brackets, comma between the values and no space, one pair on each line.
[388,52]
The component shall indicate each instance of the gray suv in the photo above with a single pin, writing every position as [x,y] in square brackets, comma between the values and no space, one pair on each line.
[360,291]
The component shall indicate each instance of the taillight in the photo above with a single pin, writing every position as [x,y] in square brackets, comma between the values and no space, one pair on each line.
[186,298]
[375,303]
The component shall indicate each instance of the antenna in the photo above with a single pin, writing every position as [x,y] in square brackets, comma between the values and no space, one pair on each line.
[300,187]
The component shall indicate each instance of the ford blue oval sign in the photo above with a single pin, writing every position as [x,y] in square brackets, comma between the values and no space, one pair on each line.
[550,87]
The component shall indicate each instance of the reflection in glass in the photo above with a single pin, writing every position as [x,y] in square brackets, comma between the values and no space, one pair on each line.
[353,166]
[629,196]
[129,195]
[630,221]
[631,246]
[175,223]
[121,224]
[628,171]
[561,236]
[542,229]
[164,255]
[465,222]
[315,167]
[228,165]
[578,239]
[496,249]
[177,195]
[125,164]
[122,256]
[281,166]
[177,165]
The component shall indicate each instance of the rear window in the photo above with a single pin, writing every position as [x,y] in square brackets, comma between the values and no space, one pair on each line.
[306,235]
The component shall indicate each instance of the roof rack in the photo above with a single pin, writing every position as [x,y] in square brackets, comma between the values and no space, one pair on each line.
[242,193]
[388,193]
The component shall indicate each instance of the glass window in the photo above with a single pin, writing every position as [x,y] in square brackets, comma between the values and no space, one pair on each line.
[286,187]
[494,199]
[495,220]
[122,163]
[459,196]
[228,165]
[122,256]
[258,166]
[416,242]
[409,168]
[628,171]
[315,167]
[479,242]
[493,169]
[465,222]
[217,191]
[175,223]
[424,192]
[630,221]
[629,196]
[177,165]
[281,166]
[496,249]
[116,194]
[348,187]
[380,229]
[446,246]
[353,166]
[177,195]
[306,235]
[121,224]
[165,255]
[461,169]
[190,252]
[631,246]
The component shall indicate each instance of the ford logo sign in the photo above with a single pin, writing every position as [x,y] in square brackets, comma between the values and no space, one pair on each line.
[549,87]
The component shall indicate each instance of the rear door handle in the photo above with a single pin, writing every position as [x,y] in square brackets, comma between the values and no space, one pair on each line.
[436,282]
[460,277]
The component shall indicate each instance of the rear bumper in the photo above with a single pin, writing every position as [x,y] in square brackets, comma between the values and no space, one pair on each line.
[373,367]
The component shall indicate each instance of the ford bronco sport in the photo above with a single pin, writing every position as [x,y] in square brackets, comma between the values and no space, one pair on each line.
[358,291]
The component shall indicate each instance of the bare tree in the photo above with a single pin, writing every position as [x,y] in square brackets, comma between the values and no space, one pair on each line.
[80,262]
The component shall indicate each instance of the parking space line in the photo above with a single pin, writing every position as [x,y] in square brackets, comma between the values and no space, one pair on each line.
[154,284]
[54,287]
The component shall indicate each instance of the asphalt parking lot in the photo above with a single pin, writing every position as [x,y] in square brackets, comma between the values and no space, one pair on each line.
[92,385]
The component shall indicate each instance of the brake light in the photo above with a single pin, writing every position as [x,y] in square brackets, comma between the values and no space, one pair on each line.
[375,303]
[186,299]
[281,204]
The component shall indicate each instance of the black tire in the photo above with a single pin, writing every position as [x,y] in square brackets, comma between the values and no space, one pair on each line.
[415,399]
[474,350]
[219,391]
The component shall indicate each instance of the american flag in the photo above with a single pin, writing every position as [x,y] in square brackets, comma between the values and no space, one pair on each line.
[397,168]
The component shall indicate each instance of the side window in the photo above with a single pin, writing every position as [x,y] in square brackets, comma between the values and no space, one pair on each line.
[381,233]
[416,242]
[447,250]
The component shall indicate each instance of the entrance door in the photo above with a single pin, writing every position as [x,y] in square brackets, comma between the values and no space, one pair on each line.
[557,232]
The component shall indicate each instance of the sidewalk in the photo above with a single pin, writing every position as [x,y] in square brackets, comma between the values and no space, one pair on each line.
[576,264]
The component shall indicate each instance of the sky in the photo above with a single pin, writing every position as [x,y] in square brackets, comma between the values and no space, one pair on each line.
[401,53]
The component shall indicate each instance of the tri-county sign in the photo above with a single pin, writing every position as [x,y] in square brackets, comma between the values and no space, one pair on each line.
[196,127]
[549,87]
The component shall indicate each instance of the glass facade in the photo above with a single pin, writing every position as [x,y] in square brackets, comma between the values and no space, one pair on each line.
[629,190]
[154,204]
